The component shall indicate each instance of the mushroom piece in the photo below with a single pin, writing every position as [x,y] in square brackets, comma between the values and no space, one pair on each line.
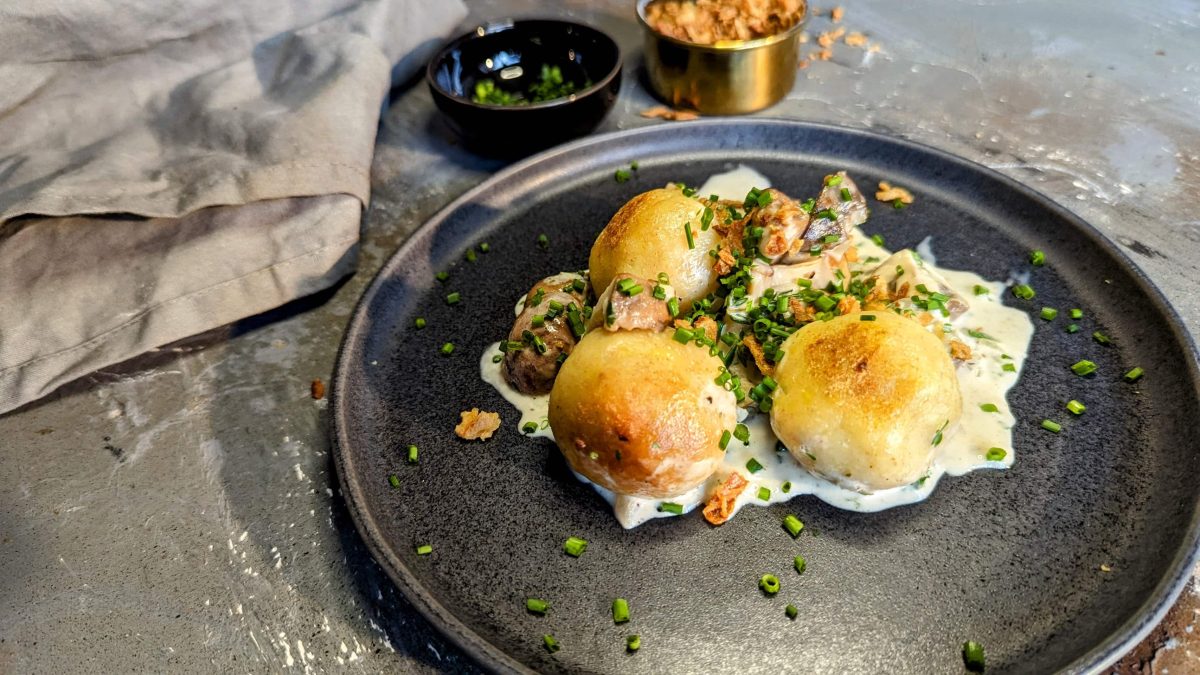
[629,304]
[545,332]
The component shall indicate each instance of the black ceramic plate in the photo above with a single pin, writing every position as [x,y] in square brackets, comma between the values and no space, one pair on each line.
[1008,558]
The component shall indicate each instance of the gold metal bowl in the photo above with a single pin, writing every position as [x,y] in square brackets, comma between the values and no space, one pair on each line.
[728,78]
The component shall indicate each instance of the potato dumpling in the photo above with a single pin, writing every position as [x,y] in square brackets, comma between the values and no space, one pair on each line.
[639,414]
[863,403]
[647,236]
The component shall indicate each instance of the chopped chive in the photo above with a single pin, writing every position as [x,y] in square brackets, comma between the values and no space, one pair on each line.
[793,525]
[706,218]
[497,358]
[574,546]
[1076,407]
[981,290]
[633,643]
[937,437]
[800,563]
[442,276]
[447,349]
[419,322]
[786,487]
[412,454]
[551,644]
[633,165]
[543,241]
[536,606]
[579,285]
[972,653]
[620,610]
[988,407]
[683,336]
[996,454]
[1024,291]
[394,480]
[687,230]
[538,320]
[866,317]
[1008,368]
[453,298]
[1076,313]
[831,238]
[621,175]
[635,289]
[878,239]
[846,194]
[1049,313]
[659,292]
[725,436]
[673,306]
[1073,328]
[1101,338]
[1083,367]
[470,255]
[537,297]
[671,507]
[1051,425]
[753,466]
[742,433]
[1133,375]
[791,612]
[1037,258]
[898,204]
[424,549]
[764,494]
[833,181]
[769,583]
[979,335]
[485,247]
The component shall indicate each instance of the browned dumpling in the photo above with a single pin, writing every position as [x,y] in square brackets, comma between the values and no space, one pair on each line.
[865,403]
[647,237]
[639,414]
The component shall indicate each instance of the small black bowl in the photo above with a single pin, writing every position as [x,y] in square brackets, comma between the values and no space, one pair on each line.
[512,54]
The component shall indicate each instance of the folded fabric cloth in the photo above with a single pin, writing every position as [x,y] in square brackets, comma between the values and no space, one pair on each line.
[170,166]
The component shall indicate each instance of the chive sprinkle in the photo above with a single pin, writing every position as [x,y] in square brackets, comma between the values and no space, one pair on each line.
[447,349]
[878,239]
[1037,258]
[866,317]
[981,290]
[529,427]
[485,247]
[1024,291]
[800,564]
[442,276]
[1051,425]
[988,407]
[620,610]
[673,306]
[412,454]
[551,644]
[742,433]
[394,481]
[424,549]
[846,194]
[543,241]
[670,507]
[769,583]
[725,437]
[1076,313]
[419,322]
[497,358]
[574,546]
[453,298]
[682,336]
[996,454]
[972,654]
[833,181]
[1076,407]
[537,606]
[1134,375]
[470,255]
[764,494]
[1008,368]
[621,175]
[1101,338]
[633,643]
[1073,328]
[1049,313]
[786,487]
[1083,367]
[791,612]
[687,230]
[753,466]
[793,525]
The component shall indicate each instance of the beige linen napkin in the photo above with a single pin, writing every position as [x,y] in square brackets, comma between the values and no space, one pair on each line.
[170,166]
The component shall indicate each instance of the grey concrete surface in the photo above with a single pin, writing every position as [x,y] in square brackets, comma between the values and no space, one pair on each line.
[179,513]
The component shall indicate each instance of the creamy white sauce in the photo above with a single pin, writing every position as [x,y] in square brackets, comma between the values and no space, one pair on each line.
[981,380]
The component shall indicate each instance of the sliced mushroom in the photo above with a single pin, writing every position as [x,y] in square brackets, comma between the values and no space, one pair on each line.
[629,304]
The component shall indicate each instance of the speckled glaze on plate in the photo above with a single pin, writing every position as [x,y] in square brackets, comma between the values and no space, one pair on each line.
[1011,559]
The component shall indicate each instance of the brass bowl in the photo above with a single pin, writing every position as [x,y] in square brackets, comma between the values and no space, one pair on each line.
[729,78]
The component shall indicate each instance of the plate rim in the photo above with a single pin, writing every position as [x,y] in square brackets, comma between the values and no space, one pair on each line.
[493,658]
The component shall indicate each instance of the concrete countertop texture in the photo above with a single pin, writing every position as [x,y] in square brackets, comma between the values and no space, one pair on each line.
[180,513]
